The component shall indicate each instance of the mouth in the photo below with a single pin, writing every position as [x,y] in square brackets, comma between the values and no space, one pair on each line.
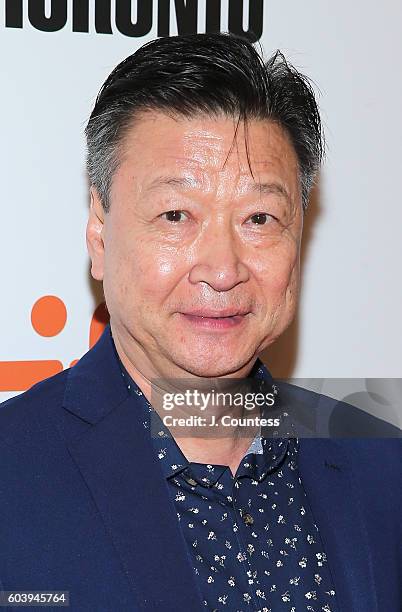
[211,313]
[215,321]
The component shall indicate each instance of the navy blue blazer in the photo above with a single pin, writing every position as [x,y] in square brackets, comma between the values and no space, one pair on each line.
[84,506]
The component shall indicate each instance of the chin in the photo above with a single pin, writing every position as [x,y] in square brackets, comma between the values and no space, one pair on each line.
[211,366]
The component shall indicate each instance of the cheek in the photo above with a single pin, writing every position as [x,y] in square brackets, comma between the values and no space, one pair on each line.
[142,276]
[279,271]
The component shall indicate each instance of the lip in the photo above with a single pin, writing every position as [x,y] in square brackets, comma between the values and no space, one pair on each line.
[216,314]
[214,323]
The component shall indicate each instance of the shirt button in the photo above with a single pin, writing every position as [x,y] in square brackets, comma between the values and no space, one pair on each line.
[191,482]
[248,519]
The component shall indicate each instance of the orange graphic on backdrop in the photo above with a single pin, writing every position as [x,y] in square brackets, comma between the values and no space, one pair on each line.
[48,316]
[48,319]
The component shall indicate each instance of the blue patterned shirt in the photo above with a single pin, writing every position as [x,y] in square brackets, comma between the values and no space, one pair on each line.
[251,538]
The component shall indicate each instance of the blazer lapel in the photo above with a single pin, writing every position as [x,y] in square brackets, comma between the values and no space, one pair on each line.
[117,461]
[333,495]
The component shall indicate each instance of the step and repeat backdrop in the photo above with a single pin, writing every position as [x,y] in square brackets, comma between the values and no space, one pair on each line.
[54,56]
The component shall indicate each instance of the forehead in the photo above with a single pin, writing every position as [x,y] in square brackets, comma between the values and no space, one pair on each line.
[204,146]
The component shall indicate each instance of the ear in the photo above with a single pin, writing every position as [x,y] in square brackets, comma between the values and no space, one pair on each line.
[94,235]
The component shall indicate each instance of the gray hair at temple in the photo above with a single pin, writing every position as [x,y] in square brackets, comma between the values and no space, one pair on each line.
[216,74]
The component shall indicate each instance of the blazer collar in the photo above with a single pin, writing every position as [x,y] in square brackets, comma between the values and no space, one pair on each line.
[332,490]
[95,385]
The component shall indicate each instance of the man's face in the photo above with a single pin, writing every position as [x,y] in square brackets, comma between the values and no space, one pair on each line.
[232,246]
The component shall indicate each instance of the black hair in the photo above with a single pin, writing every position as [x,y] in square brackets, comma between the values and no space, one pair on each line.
[203,73]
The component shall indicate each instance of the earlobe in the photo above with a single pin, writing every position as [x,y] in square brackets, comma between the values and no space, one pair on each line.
[94,235]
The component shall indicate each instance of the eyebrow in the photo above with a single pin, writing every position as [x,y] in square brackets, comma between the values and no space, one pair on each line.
[186,183]
[268,188]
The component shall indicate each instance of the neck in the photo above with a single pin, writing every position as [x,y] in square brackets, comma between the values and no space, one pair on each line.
[226,445]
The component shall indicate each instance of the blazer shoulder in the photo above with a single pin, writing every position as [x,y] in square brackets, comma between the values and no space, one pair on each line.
[42,397]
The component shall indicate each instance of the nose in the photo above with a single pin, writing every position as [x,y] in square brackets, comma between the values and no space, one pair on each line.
[217,259]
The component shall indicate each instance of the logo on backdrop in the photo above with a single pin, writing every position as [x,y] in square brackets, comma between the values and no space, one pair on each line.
[55,15]
[48,318]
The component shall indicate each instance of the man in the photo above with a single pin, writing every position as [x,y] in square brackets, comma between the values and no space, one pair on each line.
[201,158]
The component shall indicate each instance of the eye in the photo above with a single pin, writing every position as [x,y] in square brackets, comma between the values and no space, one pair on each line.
[261,218]
[173,215]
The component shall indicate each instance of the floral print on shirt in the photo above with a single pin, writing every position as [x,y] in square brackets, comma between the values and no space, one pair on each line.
[251,538]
